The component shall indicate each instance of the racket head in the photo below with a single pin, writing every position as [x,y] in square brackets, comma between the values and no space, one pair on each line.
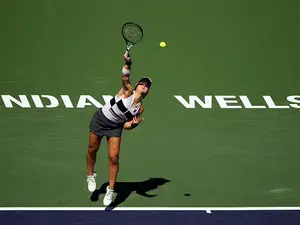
[132,33]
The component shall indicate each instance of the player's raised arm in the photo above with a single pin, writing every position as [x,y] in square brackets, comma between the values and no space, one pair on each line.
[127,88]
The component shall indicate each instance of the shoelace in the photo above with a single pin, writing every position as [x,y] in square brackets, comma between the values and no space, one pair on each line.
[110,195]
[90,178]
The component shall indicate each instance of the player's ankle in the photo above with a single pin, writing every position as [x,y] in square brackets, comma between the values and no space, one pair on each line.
[111,187]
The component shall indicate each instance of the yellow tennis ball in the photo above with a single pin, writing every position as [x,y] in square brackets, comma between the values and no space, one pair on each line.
[162,44]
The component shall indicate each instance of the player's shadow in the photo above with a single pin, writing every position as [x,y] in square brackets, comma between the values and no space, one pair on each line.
[124,189]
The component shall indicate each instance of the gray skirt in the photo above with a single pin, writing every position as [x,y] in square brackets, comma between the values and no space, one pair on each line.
[102,126]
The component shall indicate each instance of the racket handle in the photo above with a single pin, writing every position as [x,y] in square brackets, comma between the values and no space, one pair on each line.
[128,47]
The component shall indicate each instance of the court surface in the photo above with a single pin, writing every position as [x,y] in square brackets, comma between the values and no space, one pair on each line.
[222,119]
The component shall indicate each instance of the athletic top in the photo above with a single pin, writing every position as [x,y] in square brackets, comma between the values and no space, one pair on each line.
[120,110]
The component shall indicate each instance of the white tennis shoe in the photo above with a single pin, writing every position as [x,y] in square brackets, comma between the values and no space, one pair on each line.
[91,180]
[109,196]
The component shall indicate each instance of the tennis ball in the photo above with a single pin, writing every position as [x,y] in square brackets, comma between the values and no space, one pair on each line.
[162,44]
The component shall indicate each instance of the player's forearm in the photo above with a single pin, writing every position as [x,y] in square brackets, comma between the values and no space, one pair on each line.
[127,67]
[129,125]
[126,70]
[128,61]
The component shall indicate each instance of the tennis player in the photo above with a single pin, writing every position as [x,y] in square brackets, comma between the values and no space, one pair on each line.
[122,112]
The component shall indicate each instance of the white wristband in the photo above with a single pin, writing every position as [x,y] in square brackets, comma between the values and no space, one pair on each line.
[125,71]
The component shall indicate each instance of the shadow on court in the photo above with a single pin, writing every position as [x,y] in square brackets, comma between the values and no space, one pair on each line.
[124,190]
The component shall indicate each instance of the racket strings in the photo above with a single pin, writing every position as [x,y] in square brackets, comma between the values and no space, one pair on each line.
[132,34]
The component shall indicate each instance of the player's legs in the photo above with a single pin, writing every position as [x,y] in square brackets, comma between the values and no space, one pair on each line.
[91,156]
[113,158]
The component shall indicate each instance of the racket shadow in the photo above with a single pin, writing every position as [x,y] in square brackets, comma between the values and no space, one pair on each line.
[125,189]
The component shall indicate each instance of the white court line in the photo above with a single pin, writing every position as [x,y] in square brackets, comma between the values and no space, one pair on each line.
[207,209]
[12,81]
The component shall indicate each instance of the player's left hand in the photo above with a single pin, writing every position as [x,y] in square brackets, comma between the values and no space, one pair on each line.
[137,120]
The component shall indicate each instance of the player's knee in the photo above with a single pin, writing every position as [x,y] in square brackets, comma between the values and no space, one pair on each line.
[93,149]
[114,159]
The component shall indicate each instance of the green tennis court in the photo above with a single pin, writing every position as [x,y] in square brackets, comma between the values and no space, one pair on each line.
[61,59]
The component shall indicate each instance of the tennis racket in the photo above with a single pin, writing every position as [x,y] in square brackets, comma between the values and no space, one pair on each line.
[132,34]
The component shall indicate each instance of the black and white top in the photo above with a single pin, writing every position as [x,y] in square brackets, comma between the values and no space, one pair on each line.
[120,110]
